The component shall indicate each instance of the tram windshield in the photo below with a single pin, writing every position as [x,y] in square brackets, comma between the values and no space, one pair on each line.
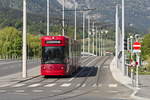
[53,55]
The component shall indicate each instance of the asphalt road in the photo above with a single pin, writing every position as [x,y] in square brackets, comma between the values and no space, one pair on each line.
[93,81]
[8,67]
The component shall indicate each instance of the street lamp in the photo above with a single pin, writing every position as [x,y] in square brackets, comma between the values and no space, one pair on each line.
[89,33]
[123,37]
[93,31]
[75,30]
[63,18]
[83,29]
[24,49]
[48,18]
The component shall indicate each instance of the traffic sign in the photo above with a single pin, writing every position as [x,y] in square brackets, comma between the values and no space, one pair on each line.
[136,47]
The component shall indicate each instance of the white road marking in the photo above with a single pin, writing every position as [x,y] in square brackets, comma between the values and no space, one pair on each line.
[94,85]
[50,85]
[18,85]
[5,85]
[34,85]
[78,85]
[37,91]
[100,85]
[112,85]
[10,62]
[66,85]
[56,90]
[83,85]
[19,91]
[1,91]
[70,79]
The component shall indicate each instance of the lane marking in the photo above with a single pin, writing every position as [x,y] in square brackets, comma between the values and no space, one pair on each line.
[34,85]
[2,91]
[19,91]
[94,85]
[37,91]
[10,62]
[78,85]
[50,85]
[70,79]
[56,90]
[5,85]
[83,85]
[66,85]
[100,85]
[18,85]
[112,85]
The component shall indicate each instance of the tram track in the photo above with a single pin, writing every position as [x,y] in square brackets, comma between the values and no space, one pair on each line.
[76,88]
[91,90]
[42,80]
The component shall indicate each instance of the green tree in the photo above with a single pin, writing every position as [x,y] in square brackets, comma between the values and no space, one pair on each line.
[11,42]
[146,47]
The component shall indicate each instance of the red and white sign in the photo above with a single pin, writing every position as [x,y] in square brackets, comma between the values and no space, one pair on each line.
[136,47]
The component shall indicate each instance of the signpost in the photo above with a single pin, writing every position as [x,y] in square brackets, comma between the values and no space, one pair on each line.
[137,50]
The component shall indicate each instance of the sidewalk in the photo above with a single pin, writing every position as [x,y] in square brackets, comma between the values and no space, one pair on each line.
[139,94]
[17,77]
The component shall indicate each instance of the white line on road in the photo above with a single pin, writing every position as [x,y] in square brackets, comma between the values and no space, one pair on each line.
[78,85]
[112,85]
[34,85]
[70,79]
[18,85]
[100,85]
[5,85]
[50,85]
[66,85]
[2,91]
[10,62]
[37,91]
[19,91]
[94,85]
[83,85]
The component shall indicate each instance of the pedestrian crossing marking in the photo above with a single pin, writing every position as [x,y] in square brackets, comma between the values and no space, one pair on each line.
[18,85]
[5,85]
[78,85]
[37,91]
[94,85]
[49,85]
[66,85]
[34,85]
[19,91]
[112,85]
[2,91]
[83,85]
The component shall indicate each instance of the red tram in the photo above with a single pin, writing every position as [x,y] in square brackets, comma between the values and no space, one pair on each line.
[60,55]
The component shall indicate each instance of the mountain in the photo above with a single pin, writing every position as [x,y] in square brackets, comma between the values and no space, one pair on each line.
[136,11]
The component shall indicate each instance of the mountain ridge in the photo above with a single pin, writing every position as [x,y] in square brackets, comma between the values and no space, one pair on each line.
[136,11]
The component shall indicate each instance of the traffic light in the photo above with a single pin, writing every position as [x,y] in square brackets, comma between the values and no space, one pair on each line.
[125,44]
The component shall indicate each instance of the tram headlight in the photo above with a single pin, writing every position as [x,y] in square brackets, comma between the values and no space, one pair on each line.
[62,68]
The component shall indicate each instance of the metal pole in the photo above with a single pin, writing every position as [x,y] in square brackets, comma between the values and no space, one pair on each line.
[83,29]
[63,18]
[99,44]
[88,34]
[75,30]
[137,69]
[96,41]
[93,37]
[24,52]
[117,32]
[123,37]
[48,18]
